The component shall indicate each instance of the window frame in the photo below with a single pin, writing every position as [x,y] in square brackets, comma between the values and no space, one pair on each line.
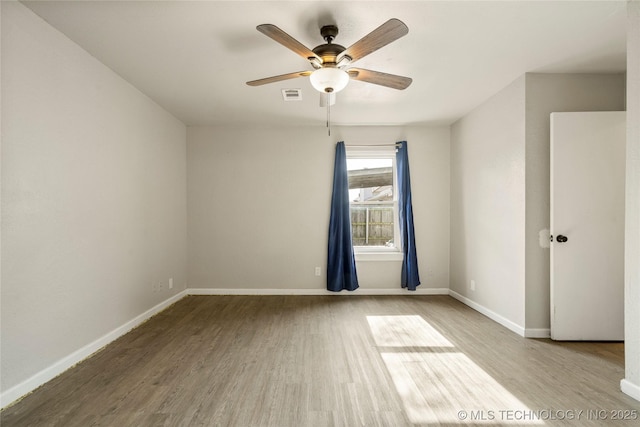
[380,253]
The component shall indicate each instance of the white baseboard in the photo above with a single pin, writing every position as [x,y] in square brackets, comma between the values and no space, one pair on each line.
[359,291]
[537,333]
[490,314]
[47,374]
[630,389]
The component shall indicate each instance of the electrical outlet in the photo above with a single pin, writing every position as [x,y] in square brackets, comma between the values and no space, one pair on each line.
[472,285]
[318,271]
[171,283]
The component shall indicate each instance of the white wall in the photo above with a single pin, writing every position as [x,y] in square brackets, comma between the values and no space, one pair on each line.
[93,199]
[547,93]
[631,383]
[488,204]
[259,206]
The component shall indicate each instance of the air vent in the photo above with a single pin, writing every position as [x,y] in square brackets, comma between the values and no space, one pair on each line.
[292,94]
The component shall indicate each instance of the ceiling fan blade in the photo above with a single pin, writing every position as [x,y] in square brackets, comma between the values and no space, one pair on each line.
[279,78]
[330,97]
[386,33]
[287,41]
[378,78]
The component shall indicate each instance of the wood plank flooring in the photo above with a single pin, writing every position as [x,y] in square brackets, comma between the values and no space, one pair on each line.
[331,361]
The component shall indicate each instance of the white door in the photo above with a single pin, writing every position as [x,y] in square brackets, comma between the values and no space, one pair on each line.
[587,226]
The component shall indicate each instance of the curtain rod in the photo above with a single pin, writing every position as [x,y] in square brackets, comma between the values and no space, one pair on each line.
[397,144]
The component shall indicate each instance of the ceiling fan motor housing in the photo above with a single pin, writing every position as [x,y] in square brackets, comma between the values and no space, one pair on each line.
[329,52]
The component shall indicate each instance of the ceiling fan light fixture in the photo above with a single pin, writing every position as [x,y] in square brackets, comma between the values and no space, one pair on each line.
[329,80]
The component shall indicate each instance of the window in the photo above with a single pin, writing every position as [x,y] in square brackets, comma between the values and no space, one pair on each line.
[373,198]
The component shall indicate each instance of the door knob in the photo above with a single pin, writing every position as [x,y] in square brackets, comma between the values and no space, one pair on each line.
[561,238]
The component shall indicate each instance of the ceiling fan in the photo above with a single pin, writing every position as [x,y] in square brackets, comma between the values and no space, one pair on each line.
[330,60]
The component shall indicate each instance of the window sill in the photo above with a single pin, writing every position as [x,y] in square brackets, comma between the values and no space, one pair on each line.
[378,255]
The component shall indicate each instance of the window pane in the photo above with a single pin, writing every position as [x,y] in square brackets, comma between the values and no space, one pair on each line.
[372,224]
[371,195]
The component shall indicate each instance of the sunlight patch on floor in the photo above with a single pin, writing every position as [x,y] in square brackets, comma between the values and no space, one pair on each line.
[405,331]
[437,383]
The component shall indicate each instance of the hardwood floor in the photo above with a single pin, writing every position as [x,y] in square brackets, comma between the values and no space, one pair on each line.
[331,361]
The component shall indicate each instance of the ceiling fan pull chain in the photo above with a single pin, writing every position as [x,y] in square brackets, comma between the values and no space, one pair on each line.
[328,115]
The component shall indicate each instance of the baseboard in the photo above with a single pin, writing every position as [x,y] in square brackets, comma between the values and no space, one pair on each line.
[630,389]
[490,314]
[359,291]
[47,374]
[537,333]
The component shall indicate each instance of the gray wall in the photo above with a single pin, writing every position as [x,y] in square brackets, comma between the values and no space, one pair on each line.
[93,198]
[488,204]
[234,174]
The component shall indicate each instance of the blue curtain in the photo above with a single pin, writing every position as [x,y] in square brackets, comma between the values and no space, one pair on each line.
[341,263]
[409,278]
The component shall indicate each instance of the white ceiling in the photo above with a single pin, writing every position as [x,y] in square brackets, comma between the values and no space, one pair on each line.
[194,57]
